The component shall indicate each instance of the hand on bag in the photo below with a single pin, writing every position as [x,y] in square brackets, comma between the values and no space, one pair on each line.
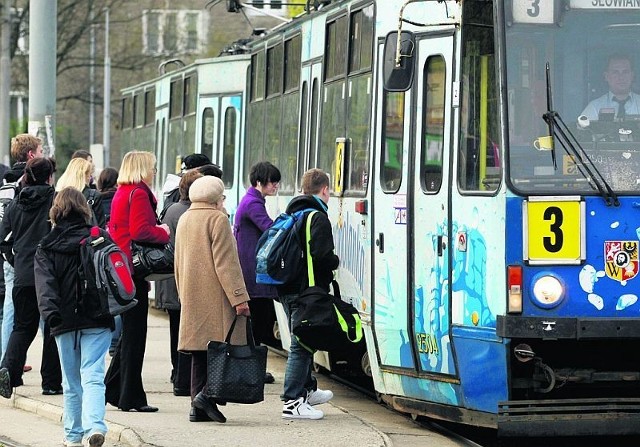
[243,309]
[165,227]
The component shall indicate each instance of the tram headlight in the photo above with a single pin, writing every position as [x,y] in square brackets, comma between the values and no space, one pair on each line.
[547,290]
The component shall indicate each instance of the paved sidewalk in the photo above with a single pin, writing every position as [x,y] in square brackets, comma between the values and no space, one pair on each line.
[350,418]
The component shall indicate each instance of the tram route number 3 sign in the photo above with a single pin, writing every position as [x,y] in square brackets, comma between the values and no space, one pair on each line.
[554,231]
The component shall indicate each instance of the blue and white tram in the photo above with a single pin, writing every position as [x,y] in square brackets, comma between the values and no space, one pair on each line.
[487,231]
[197,108]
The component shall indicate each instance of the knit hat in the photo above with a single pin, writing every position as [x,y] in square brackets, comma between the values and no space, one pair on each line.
[207,189]
[194,161]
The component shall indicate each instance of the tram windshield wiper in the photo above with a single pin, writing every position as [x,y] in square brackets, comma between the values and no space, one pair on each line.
[561,133]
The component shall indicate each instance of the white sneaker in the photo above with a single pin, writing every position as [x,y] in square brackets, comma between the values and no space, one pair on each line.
[300,409]
[67,443]
[319,397]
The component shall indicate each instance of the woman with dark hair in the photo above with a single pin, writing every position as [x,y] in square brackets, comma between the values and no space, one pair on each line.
[26,218]
[107,185]
[133,218]
[250,222]
[82,340]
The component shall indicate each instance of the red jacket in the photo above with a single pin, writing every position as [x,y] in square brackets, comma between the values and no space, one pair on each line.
[136,222]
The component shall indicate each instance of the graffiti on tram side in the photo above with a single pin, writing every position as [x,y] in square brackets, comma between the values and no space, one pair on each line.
[350,250]
[427,344]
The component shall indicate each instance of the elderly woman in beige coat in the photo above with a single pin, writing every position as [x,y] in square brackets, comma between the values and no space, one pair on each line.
[210,285]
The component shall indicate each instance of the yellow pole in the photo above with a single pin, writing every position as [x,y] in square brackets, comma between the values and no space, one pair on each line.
[484,90]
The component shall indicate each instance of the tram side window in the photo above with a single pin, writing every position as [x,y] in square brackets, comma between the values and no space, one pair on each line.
[208,126]
[138,112]
[176,99]
[189,96]
[358,131]
[175,140]
[290,119]
[333,118]
[149,107]
[126,113]
[229,147]
[359,99]
[479,153]
[254,149]
[392,141]
[433,123]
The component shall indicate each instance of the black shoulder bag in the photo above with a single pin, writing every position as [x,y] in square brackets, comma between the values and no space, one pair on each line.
[153,262]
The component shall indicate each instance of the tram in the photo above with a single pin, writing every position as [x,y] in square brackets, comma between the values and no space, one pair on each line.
[487,227]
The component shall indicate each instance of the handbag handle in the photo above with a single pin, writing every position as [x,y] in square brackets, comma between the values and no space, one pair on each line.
[250,340]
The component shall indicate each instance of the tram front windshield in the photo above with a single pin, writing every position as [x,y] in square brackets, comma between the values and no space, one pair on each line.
[593,51]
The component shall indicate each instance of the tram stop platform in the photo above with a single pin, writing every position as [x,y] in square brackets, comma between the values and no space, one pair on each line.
[351,418]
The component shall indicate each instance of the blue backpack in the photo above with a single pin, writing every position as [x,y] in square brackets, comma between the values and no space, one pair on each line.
[280,253]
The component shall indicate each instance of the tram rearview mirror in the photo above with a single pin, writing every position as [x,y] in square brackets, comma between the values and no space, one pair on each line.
[398,65]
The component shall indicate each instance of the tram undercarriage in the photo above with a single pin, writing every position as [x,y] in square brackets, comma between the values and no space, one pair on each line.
[585,385]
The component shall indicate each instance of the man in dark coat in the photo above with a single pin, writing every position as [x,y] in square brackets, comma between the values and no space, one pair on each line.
[301,392]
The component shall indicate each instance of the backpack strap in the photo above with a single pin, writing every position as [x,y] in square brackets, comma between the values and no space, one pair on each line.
[92,197]
[312,279]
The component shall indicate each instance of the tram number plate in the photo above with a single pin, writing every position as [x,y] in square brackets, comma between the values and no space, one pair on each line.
[554,230]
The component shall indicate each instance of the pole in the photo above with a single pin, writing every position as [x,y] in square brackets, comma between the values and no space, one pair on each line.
[92,79]
[42,71]
[106,124]
[5,82]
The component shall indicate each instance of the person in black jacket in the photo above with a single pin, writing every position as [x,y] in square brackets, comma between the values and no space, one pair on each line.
[24,147]
[301,392]
[26,218]
[82,341]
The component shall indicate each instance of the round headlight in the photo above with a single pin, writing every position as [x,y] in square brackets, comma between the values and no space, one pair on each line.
[547,291]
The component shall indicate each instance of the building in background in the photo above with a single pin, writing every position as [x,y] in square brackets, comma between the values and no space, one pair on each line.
[142,35]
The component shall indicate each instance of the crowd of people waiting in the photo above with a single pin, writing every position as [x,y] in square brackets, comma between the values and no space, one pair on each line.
[40,233]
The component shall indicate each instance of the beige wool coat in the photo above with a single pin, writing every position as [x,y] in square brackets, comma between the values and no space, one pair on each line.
[208,277]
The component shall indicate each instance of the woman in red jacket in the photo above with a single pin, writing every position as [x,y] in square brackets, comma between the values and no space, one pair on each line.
[133,217]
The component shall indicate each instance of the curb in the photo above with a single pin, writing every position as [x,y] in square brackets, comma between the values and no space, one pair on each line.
[117,433]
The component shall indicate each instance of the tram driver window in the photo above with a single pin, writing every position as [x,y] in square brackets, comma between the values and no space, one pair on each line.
[478,153]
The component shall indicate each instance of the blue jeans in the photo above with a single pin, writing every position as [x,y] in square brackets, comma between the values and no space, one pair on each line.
[82,362]
[7,309]
[297,377]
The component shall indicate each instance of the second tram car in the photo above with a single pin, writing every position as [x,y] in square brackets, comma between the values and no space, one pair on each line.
[486,226]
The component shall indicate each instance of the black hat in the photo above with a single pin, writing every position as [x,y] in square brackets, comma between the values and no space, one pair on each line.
[194,161]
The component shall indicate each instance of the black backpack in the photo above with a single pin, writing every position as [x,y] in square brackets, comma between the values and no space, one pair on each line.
[170,198]
[105,284]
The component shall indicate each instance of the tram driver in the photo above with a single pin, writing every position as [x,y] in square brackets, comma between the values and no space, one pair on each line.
[619,102]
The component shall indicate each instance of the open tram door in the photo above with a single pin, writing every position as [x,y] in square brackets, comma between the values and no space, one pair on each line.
[411,313]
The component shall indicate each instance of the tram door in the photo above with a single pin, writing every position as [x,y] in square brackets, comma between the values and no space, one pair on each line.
[411,311]
[164,166]
[207,130]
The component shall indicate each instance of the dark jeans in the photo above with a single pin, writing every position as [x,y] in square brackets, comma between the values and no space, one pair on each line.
[25,327]
[297,377]
[124,377]
[180,363]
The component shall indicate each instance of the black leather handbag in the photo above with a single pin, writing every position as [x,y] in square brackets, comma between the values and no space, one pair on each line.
[153,262]
[235,373]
